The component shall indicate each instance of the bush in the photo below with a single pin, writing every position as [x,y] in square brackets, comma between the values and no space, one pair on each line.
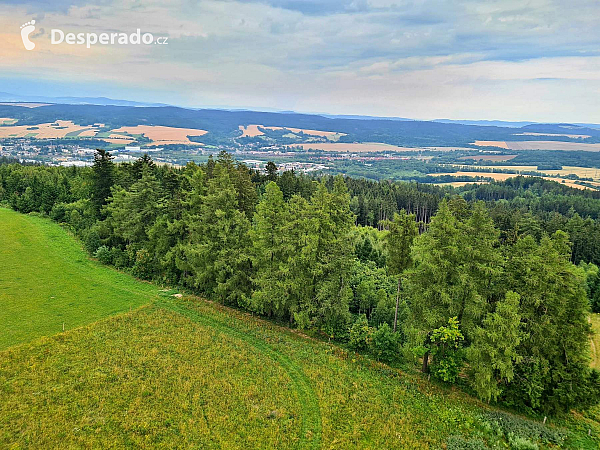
[144,265]
[520,443]
[120,259]
[518,430]
[58,213]
[448,355]
[384,343]
[91,241]
[104,255]
[462,443]
[360,334]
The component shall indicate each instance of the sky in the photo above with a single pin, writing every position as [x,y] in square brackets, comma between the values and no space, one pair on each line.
[530,60]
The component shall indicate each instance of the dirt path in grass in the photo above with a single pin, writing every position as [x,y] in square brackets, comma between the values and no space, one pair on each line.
[310,432]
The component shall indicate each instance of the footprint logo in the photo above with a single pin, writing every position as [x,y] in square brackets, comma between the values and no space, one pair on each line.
[26,30]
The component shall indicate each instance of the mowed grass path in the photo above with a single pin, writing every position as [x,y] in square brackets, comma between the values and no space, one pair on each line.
[46,280]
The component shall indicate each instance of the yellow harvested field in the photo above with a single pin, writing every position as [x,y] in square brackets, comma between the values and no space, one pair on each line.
[552,145]
[25,105]
[331,135]
[366,147]
[88,133]
[500,144]
[159,143]
[44,130]
[572,136]
[506,176]
[459,183]
[161,135]
[581,172]
[539,145]
[251,130]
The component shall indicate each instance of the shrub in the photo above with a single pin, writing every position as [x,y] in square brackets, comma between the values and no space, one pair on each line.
[462,443]
[91,241]
[144,265]
[517,429]
[448,355]
[104,255]
[384,343]
[120,259]
[360,334]
[58,213]
[520,443]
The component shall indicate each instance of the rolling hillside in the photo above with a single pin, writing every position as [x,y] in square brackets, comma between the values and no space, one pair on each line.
[182,372]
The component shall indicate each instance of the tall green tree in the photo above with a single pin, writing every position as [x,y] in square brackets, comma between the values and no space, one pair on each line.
[402,232]
[271,252]
[493,354]
[217,251]
[103,172]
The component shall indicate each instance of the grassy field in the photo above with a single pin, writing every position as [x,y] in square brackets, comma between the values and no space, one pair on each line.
[189,373]
[46,281]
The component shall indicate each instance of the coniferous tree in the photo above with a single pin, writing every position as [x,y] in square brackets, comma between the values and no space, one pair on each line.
[493,354]
[402,232]
[271,254]
[102,179]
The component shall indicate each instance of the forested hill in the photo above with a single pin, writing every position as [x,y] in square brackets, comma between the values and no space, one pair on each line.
[223,125]
[489,288]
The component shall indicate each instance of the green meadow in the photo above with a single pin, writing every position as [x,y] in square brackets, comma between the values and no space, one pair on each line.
[46,280]
[138,367]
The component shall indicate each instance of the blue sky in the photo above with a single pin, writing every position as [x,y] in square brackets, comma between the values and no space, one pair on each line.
[533,60]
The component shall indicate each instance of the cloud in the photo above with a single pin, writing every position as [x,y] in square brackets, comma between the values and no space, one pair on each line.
[416,58]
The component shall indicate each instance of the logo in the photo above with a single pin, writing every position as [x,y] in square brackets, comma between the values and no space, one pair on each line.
[26,30]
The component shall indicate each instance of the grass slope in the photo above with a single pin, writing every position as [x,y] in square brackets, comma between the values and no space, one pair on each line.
[47,280]
[189,373]
[595,320]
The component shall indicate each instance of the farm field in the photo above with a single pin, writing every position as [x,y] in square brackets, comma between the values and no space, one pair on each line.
[366,147]
[189,373]
[41,131]
[159,135]
[497,176]
[46,281]
[163,135]
[539,145]
[253,131]
[581,172]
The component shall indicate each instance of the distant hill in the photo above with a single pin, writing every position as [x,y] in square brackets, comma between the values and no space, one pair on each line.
[223,125]
[16,98]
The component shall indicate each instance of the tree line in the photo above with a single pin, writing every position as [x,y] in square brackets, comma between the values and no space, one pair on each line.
[484,294]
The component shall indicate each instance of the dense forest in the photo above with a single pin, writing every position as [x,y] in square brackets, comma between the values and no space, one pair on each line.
[488,287]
